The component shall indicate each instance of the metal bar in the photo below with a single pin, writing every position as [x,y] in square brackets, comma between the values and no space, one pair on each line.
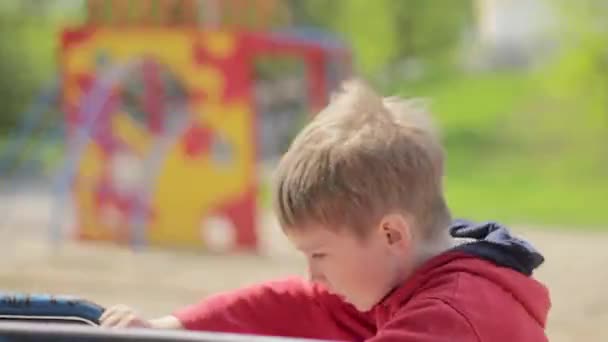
[93,106]
[67,332]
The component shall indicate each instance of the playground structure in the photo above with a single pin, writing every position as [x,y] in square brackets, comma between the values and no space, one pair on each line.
[162,121]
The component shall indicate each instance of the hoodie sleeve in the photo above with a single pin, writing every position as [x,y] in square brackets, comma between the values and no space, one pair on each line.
[290,308]
[427,320]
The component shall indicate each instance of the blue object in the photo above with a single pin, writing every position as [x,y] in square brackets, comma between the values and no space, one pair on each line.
[494,242]
[40,307]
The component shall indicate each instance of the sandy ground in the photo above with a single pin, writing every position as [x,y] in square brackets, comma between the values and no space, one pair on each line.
[157,282]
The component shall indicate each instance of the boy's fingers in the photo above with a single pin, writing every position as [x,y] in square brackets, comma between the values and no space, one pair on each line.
[125,321]
[111,321]
[107,313]
[120,316]
[114,310]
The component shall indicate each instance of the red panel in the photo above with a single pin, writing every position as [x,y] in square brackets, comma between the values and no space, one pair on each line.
[317,86]
[234,69]
[69,38]
[197,140]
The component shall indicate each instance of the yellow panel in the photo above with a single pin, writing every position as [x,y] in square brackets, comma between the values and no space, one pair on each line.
[219,44]
[186,187]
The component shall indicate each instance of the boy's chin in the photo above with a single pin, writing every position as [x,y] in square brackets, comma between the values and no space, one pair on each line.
[359,306]
[363,308]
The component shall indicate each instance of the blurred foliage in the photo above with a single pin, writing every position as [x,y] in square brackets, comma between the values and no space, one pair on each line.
[576,82]
[29,31]
[388,32]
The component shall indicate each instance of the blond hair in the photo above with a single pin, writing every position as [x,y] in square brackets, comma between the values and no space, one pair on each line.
[360,158]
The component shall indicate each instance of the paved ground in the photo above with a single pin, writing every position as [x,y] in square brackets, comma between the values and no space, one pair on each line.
[157,282]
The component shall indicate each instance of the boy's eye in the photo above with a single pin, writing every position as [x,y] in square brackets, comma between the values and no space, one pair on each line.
[318,255]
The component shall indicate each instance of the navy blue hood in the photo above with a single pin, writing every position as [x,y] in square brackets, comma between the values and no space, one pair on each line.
[493,242]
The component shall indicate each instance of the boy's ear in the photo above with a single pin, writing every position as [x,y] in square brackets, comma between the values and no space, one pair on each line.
[396,229]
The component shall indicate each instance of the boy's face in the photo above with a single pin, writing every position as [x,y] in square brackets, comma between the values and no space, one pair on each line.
[360,270]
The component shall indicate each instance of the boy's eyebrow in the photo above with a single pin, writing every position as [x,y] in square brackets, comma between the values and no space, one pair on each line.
[310,247]
[314,248]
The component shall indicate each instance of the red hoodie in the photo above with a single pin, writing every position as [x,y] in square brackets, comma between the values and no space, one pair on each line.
[477,293]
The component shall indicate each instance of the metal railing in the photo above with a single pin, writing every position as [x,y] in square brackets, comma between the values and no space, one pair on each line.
[20,331]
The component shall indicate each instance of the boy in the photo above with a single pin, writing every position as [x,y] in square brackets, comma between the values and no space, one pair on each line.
[359,193]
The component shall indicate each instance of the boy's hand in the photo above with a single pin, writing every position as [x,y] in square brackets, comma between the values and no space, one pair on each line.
[121,316]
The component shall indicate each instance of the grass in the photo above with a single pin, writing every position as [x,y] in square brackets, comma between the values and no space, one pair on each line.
[519,191]
[492,174]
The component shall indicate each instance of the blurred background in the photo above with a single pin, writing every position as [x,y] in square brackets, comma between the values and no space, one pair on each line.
[138,136]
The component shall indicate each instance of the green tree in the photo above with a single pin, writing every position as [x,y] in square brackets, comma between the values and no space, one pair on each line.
[29,31]
[576,81]
[384,32]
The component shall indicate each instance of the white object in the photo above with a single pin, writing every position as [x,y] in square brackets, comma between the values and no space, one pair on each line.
[218,233]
